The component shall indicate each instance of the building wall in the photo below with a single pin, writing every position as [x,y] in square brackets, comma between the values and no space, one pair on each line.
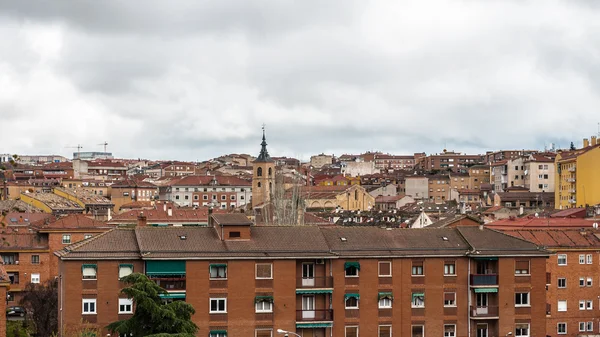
[321,160]
[588,178]
[417,187]
[573,292]
[25,268]
[540,179]
[355,169]
[439,189]
[262,185]
[3,287]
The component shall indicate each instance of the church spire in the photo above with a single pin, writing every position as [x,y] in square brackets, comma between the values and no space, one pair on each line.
[263,157]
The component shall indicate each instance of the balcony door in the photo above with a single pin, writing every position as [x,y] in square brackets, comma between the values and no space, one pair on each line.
[308,307]
[308,274]
[482,303]
[482,330]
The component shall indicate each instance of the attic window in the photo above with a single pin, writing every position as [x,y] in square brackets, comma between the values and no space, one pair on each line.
[182,237]
[343,239]
[445,238]
[234,234]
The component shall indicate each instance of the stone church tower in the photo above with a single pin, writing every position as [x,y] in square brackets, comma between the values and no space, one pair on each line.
[263,175]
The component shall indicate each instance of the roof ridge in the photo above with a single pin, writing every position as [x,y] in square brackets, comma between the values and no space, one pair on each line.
[510,236]
[84,242]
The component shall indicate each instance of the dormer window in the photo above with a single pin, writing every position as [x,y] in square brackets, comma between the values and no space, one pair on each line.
[233,235]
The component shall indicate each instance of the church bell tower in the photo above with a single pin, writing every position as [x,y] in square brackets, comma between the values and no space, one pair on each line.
[263,175]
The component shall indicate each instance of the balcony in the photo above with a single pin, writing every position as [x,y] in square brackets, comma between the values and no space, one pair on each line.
[170,284]
[572,169]
[484,279]
[572,191]
[571,180]
[314,282]
[314,315]
[490,311]
[572,201]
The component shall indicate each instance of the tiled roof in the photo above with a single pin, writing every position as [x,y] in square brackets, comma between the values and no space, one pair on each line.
[523,196]
[285,241]
[386,198]
[541,223]
[565,213]
[3,275]
[160,215]
[231,219]
[221,180]
[559,238]
[73,221]
[450,220]
[17,218]
[16,238]
[133,183]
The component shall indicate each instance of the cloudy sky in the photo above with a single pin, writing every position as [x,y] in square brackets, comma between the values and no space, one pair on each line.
[190,80]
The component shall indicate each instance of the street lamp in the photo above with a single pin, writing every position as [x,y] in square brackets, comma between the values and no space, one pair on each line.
[287,332]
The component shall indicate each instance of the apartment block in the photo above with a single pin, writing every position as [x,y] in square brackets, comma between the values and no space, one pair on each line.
[577,183]
[448,161]
[539,173]
[246,280]
[225,191]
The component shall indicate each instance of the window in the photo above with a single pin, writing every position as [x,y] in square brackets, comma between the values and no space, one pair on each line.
[186,197]
[418,331]
[217,334]
[590,326]
[125,306]
[581,326]
[35,259]
[450,299]
[195,197]
[351,331]
[562,306]
[522,267]
[218,271]
[264,306]
[88,271]
[588,259]
[259,172]
[562,259]
[521,299]
[223,197]
[385,303]
[582,281]
[449,330]
[66,239]
[582,259]
[264,271]
[589,305]
[562,282]
[205,197]
[351,301]
[263,333]
[89,306]
[35,278]
[588,282]
[385,269]
[385,331]
[561,328]
[218,305]
[351,269]
[449,268]
[176,197]
[522,330]
[125,270]
[581,305]
[87,236]
[418,300]
[235,235]
[417,268]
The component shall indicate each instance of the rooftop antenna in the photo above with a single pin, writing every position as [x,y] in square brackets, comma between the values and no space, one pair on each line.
[104,144]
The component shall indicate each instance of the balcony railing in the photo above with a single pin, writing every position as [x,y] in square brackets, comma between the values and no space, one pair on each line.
[571,180]
[571,169]
[314,282]
[484,279]
[314,315]
[572,201]
[484,311]
[170,284]
[572,190]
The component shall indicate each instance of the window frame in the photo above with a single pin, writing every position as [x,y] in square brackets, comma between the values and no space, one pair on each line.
[558,325]
[450,265]
[449,305]
[263,329]
[582,282]
[379,268]
[263,310]
[384,325]
[589,281]
[589,259]
[210,300]
[385,300]
[35,278]
[564,279]
[589,305]
[519,272]
[88,301]
[210,277]
[126,302]
[453,330]
[124,265]
[520,295]
[528,329]
[581,326]
[558,258]
[351,307]
[412,326]
[351,268]
[419,267]
[413,303]
[581,258]
[589,325]
[35,259]
[68,237]
[558,305]
[581,304]
[256,271]
[352,327]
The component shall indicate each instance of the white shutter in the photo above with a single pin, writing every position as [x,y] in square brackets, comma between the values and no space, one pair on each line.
[125,271]
[89,272]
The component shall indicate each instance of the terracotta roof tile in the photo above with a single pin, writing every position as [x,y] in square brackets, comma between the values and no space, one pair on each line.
[73,221]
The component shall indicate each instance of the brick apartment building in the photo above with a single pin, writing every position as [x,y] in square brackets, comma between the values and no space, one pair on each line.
[448,161]
[246,280]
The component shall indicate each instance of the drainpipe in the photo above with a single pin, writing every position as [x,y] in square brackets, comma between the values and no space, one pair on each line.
[469,296]
[62,300]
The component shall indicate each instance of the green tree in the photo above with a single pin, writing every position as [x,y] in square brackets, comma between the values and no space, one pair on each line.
[151,315]
[41,302]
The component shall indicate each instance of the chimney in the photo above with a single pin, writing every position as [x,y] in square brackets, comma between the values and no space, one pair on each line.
[170,211]
[594,141]
[142,220]
[480,227]
[586,142]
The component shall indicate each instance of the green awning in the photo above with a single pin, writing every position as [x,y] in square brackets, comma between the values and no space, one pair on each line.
[313,325]
[160,225]
[486,290]
[217,332]
[158,268]
[83,266]
[172,295]
[217,265]
[347,296]
[352,264]
[385,295]
[313,291]
[486,258]
[126,265]
[418,295]
[263,299]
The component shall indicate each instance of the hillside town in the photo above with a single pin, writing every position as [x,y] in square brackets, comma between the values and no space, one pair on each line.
[485,245]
